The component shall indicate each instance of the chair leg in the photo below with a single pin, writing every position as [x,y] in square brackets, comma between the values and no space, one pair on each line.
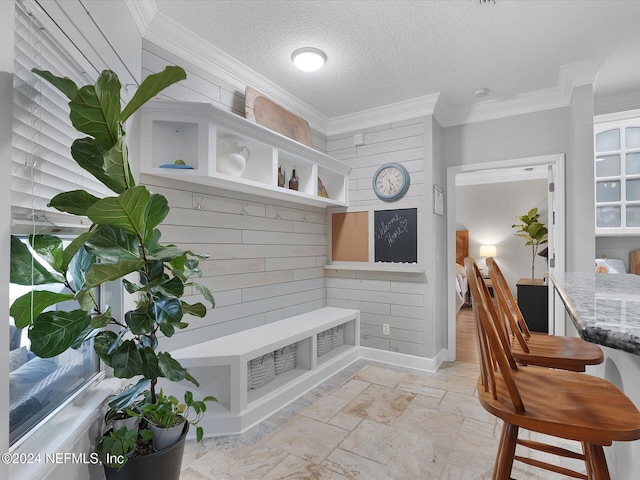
[506,452]
[596,462]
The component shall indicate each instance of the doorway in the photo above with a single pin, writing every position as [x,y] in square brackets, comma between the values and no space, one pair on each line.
[547,169]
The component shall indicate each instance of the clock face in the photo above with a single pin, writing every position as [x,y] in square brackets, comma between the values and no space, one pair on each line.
[391,181]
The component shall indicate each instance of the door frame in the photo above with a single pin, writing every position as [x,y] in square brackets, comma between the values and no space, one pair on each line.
[557,163]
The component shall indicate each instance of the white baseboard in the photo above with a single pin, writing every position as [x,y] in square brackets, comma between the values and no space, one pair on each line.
[405,360]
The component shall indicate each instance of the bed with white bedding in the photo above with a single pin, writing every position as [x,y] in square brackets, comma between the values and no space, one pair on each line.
[462,251]
[462,287]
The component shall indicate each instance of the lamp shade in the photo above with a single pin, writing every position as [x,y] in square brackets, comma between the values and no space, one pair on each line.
[488,251]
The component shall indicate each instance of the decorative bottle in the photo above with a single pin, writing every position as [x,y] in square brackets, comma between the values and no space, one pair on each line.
[293,181]
[280,177]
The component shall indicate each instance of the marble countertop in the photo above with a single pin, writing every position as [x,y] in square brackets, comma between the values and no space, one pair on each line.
[604,307]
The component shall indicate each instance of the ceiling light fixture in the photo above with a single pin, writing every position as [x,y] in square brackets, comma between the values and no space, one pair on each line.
[481,93]
[309,59]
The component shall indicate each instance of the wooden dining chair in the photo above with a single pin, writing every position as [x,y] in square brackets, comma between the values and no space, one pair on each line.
[559,403]
[532,348]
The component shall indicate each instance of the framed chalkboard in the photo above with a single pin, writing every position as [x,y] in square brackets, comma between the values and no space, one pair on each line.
[396,235]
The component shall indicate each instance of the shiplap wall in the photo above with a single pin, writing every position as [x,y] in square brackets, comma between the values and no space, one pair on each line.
[265,256]
[398,299]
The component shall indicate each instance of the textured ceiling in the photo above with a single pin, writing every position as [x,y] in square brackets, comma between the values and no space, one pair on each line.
[383,52]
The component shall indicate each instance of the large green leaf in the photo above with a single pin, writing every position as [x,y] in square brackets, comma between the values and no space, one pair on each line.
[95,109]
[54,332]
[104,344]
[105,272]
[197,309]
[157,211]
[75,202]
[113,244]
[150,87]
[126,360]
[139,321]
[116,163]
[172,369]
[26,270]
[49,248]
[73,248]
[171,253]
[167,310]
[102,320]
[128,396]
[65,85]
[150,367]
[169,288]
[79,265]
[127,211]
[88,153]
[206,293]
[27,307]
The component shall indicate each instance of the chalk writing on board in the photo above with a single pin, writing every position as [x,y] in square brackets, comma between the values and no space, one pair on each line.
[390,230]
[396,235]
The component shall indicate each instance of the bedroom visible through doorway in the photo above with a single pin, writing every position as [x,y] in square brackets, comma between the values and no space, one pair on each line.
[483,203]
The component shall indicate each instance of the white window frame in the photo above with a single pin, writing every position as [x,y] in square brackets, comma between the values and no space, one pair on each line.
[604,124]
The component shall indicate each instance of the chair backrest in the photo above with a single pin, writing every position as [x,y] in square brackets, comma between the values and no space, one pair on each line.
[507,306]
[494,348]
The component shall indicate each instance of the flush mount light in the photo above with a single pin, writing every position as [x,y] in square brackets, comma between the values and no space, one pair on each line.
[309,59]
[481,93]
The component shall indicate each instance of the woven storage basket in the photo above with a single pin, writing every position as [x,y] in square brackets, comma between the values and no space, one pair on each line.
[324,342]
[285,358]
[337,336]
[260,371]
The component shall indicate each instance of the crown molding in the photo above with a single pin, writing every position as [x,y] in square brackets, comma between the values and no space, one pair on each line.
[165,33]
[570,76]
[395,112]
[494,109]
[617,104]
[142,13]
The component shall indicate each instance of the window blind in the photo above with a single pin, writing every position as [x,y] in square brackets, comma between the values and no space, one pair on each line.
[41,162]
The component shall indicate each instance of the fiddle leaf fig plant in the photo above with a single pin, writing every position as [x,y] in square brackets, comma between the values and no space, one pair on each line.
[123,240]
[534,233]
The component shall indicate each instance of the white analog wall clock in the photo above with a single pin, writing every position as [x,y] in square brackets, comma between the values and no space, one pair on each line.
[390,182]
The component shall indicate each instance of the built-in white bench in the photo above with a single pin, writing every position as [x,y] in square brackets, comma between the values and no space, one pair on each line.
[220,365]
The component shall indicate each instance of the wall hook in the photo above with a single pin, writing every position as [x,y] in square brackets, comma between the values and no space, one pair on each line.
[278,214]
[245,209]
[200,204]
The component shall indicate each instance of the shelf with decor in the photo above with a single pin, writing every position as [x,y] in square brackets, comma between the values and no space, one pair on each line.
[224,150]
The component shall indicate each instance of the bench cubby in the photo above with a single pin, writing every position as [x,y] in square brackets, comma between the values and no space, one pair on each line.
[221,367]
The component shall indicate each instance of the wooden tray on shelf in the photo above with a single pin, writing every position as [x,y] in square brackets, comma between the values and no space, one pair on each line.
[264,111]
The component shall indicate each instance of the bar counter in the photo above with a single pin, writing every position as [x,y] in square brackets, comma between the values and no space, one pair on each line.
[604,307]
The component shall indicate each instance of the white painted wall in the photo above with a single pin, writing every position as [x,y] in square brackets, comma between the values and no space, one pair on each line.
[489,210]
[264,264]
[401,300]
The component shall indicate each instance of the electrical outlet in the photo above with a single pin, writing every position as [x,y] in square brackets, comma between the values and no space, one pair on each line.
[385,329]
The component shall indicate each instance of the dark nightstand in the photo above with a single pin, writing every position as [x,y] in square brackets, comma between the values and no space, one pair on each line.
[533,301]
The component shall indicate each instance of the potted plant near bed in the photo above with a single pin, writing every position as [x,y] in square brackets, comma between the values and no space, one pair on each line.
[534,233]
[123,241]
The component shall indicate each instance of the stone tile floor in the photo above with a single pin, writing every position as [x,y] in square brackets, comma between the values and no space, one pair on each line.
[371,421]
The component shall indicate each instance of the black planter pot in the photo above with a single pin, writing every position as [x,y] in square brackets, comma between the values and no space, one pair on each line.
[162,465]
